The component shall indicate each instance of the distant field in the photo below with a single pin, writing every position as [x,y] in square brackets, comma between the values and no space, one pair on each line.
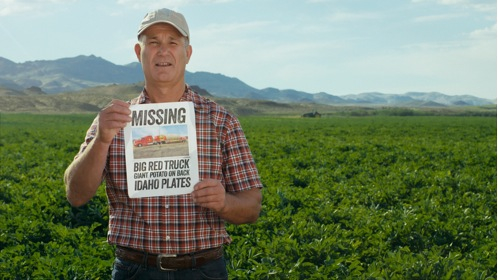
[345,197]
[91,100]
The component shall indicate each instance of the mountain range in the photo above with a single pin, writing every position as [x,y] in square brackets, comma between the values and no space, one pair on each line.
[67,75]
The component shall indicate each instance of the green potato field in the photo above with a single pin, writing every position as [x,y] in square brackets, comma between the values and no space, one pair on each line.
[373,197]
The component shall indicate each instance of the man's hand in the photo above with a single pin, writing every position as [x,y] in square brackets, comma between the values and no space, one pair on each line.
[236,208]
[112,118]
[84,175]
[210,194]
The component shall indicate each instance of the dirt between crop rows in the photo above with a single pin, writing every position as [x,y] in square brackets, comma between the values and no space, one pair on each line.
[161,150]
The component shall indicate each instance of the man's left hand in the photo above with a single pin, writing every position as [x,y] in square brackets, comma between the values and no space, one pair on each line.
[210,194]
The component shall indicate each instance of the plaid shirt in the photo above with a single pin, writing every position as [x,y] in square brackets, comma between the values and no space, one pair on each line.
[174,224]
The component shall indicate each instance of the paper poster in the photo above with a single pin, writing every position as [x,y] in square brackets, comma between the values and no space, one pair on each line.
[161,149]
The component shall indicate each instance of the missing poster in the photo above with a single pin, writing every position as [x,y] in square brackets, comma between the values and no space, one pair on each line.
[161,150]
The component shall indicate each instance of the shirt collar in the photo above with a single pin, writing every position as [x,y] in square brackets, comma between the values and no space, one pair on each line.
[144,98]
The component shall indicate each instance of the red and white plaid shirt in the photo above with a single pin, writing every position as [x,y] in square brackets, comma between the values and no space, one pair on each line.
[174,224]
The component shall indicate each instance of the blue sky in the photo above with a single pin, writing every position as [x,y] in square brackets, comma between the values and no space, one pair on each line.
[335,46]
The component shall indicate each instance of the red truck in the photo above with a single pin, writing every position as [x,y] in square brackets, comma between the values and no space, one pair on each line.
[158,139]
[144,141]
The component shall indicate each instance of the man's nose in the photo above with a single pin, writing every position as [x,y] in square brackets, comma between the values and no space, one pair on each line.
[163,49]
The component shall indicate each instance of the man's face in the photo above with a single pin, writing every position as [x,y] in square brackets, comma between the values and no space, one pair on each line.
[163,55]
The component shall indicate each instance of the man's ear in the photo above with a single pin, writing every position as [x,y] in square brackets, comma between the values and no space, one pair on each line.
[138,49]
[189,52]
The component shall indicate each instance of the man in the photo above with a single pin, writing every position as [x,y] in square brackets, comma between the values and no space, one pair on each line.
[183,235]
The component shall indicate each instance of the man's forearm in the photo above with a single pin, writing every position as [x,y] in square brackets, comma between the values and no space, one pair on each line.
[243,207]
[84,175]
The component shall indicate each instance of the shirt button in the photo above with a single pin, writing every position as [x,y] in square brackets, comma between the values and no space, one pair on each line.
[167,206]
[168,238]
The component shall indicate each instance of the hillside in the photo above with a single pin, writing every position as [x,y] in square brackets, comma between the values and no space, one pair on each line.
[92,100]
[71,75]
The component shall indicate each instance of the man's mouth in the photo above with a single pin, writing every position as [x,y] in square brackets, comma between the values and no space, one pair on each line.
[163,64]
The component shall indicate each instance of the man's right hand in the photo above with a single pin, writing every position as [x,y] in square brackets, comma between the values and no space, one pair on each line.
[84,175]
[112,118]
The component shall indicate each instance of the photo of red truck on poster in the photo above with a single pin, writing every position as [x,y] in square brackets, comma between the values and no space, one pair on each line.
[163,141]
[159,139]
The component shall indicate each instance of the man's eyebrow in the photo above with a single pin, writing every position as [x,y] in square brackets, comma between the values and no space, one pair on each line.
[168,37]
[173,37]
[151,37]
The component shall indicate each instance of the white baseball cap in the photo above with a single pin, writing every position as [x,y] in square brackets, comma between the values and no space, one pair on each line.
[168,16]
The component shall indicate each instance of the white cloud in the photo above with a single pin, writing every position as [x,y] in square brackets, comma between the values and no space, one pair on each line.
[227,30]
[485,33]
[440,17]
[444,2]
[12,7]
[349,16]
[484,5]
[460,67]
[15,7]
[171,4]
[318,1]
[451,2]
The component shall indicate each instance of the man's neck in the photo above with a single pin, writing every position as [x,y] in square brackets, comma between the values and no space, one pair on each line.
[159,93]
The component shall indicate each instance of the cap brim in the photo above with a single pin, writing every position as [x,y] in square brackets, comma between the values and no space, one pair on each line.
[162,21]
